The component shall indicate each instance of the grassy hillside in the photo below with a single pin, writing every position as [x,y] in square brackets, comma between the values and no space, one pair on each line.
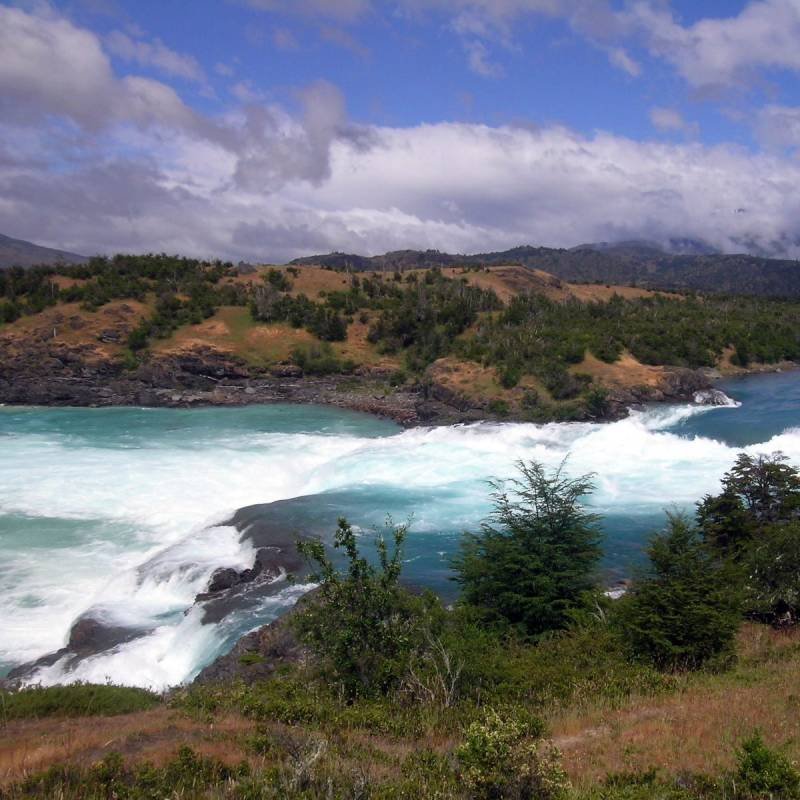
[620,740]
[508,339]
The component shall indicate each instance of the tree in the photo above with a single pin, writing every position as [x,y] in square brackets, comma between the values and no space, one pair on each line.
[685,610]
[767,487]
[755,524]
[362,625]
[772,575]
[533,562]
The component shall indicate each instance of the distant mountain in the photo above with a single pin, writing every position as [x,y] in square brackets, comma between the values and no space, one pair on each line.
[648,249]
[637,263]
[19,253]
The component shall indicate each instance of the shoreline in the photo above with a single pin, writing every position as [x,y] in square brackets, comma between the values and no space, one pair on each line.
[58,376]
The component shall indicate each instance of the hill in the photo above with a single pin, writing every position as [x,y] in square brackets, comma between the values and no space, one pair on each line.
[627,263]
[19,253]
[422,346]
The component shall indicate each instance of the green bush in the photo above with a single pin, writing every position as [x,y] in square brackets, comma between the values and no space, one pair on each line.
[75,700]
[531,566]
[319,359]
[363,625]
[502,757]
[684,612]
[764,773]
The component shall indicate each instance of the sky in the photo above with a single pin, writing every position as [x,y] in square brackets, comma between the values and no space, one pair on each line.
[264,130]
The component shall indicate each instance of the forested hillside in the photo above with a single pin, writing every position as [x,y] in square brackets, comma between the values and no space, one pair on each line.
[639,266]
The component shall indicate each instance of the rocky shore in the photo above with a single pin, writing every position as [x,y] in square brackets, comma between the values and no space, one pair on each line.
[53,373]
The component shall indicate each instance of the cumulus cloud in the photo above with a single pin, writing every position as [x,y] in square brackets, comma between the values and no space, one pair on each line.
[457,187]
[154,54]
[265,182]
[779,126]
[723,51]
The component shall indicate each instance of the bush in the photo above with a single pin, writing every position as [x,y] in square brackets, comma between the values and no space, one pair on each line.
[499,407]
[319,359]
[503,757]
[363,624]
[75,700]
[765,773]
[772,588]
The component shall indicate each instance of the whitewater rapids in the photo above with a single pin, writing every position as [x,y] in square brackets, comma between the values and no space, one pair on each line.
[126,524]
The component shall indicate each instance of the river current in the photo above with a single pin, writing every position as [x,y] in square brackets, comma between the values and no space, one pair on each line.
[119,511]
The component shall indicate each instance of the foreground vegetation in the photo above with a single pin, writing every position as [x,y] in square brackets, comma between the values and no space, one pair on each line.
[401,697]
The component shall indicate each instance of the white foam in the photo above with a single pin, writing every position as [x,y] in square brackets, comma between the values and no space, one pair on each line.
[159,507]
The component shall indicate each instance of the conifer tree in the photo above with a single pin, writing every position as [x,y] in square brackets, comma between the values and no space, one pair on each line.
[685,610]
[533,562]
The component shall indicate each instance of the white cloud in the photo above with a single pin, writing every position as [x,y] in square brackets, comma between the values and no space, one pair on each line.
[779,126]
[456,187]
[261,182]
[480,62]
[48,63]
[671,120]
[620,58]
[154,54]
[724,51]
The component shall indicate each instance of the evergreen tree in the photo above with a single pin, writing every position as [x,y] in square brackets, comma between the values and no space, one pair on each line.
[533,563]
[685,610]
[772,575]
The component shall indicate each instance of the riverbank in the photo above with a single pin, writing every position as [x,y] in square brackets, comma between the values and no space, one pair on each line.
[55,373]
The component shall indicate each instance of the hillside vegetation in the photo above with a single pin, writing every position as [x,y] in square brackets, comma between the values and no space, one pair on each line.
[645,266]
[518,340]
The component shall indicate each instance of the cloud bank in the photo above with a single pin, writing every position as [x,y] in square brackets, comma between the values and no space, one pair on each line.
[95,161]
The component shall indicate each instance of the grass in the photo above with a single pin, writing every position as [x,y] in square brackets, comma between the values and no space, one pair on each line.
[233,330]
[697,726]
[625,733]
[77,700]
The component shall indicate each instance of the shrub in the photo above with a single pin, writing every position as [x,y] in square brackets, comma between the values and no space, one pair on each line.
[319,359]
[502,757]
[363,625]
[75,700]
[765,773]
[499,406]
[772,588]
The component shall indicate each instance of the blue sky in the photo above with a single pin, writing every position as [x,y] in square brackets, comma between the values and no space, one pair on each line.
[401,69]
[266,129]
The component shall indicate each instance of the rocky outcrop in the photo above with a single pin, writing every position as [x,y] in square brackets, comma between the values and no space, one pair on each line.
[88,637]
[42,371]
[260,654]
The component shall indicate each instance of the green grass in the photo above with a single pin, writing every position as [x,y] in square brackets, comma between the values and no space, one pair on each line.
[77,700]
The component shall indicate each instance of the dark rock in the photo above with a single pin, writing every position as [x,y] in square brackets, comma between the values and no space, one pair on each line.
[286,371]
[259,655]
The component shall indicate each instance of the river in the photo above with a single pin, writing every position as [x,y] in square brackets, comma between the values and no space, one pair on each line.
[118,512]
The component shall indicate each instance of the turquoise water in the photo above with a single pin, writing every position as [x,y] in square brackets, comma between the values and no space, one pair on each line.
[118,511]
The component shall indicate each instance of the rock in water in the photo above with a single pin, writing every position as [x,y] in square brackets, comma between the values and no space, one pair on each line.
[713,397]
